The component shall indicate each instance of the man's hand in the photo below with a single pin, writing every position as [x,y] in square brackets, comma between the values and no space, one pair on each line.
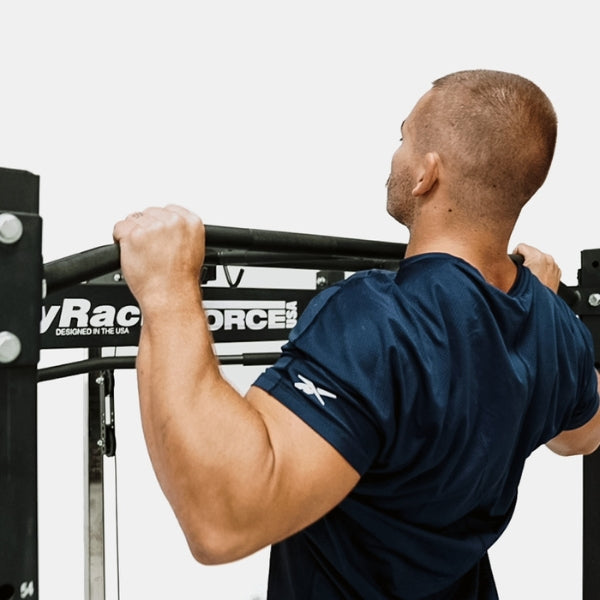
[542,265]
[162,252]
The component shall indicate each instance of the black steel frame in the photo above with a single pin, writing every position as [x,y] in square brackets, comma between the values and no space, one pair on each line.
[24,280]
[20,302]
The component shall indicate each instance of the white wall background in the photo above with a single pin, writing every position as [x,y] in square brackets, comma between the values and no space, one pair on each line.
[274,115]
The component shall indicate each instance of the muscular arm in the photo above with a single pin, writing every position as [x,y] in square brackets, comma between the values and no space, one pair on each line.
[584,439]
[240,472]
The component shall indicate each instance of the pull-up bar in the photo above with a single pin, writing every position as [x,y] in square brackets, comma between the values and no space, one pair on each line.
[257,246]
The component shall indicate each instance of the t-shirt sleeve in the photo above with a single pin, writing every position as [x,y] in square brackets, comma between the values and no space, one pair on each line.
[328,376]
[588,399]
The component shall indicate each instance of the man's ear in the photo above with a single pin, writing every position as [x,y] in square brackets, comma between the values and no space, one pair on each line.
[428,174]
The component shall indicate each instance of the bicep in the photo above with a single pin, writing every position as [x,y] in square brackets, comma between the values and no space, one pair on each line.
[309,477]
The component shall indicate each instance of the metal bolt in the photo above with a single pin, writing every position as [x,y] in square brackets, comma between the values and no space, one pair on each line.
[594,299]
[11,228]
[10,347]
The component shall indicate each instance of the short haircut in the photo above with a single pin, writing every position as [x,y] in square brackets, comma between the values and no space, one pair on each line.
[496,130]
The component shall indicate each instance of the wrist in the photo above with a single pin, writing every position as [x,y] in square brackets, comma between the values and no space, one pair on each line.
[172,303]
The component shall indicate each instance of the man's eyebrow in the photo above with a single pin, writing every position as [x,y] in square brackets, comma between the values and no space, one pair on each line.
[402,126]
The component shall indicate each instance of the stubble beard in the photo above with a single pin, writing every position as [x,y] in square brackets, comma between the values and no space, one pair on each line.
[400,200]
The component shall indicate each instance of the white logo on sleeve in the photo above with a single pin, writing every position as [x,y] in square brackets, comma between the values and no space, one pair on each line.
[310,389]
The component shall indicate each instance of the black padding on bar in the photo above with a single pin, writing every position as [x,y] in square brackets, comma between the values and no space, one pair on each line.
[74,269]
[306,243]
[92,263]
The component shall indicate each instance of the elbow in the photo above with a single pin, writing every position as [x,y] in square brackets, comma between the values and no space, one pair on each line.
[209,549]
[587,446]
[217,534]
[208,556]
[217,546]
[582,449]
[590,449]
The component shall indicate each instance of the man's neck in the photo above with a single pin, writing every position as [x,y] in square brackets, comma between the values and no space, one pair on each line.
[488,255]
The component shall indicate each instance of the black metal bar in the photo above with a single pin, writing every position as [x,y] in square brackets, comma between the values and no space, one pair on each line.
[82,367]
[20,191]
[18,482]
[305,243]
[259,248]
[94,559]
[287,260]
[589,279]
[83,266]
[570,295]
[20,309]
[249,358]
[92,263]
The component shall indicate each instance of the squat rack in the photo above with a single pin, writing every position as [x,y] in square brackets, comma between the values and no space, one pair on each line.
[83,302]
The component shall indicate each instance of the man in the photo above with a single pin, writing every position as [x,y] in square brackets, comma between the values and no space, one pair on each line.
[381,455]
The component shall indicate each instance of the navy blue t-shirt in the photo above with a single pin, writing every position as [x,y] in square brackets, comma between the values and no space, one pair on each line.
[435,386]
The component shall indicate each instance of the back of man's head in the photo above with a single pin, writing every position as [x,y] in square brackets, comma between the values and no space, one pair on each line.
[495,132]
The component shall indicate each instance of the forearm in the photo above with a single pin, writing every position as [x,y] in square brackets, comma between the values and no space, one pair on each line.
[210,449]
[240,473]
